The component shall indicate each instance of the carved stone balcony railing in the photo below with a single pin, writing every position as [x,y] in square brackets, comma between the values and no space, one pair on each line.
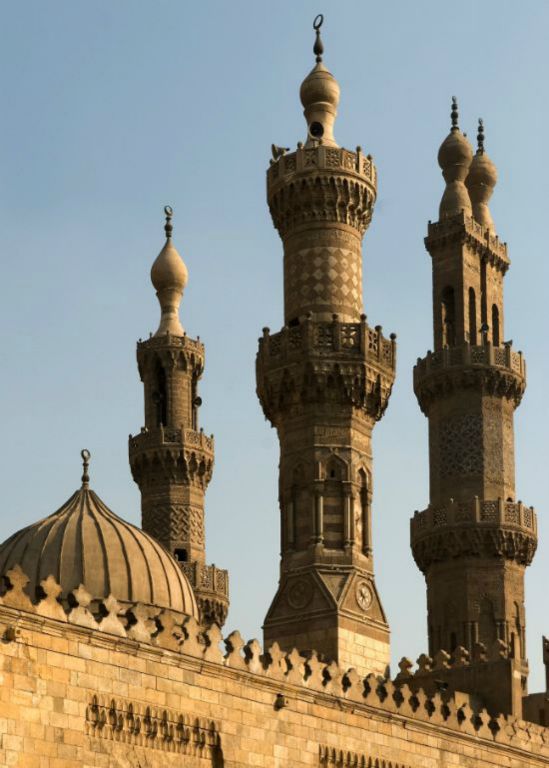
[322,158]
[499,369]
[185,341]
[187,438]
[319,361]
[211,587]
[477,527]
[329,339]
[327,184]
[481,239]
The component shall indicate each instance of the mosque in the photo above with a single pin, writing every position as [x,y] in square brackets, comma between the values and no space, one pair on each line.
[112,653]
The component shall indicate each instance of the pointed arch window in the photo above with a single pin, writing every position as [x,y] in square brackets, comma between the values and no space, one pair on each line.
[448,307]
[472,317]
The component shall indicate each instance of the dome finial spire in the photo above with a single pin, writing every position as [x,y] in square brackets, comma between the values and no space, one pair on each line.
[168,226]
[86,456]
[480,137]
[318,48]
[169,276]
[454,114]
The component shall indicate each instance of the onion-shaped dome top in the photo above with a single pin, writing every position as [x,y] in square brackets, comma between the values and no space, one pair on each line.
[85,543]
[319,95]
[454,157]
[481,180]
[169,275]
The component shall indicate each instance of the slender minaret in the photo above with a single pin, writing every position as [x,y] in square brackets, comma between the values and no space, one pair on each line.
[171,459]
[475,539]
[323,382]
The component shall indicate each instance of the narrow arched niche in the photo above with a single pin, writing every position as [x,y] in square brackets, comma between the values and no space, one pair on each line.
[448,310]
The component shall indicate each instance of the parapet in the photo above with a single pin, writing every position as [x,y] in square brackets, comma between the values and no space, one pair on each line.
[284,674]
[463,228]
[495,369]
[475,522]
[321,184]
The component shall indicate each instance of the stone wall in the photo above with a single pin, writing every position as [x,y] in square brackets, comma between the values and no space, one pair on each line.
[135,689]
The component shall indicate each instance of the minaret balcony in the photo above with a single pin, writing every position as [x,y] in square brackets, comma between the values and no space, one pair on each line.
[322,183]
[304,360]
[474,528]
[463,228]
[149,439]
[498,370]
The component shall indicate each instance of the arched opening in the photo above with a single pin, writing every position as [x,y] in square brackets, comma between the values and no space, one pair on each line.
[448,307]
[180,554]
[364,527]
[334,503]
[472,316]
[160,396]
[495,326]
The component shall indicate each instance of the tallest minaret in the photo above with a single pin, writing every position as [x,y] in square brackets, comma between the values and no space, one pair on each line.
[476,538]
[323,382]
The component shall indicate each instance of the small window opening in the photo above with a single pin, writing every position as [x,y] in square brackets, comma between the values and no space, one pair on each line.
[181,555]
[448,318]
[472,317]
[495,325]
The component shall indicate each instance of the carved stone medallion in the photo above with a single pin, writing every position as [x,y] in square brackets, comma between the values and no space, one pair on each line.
[363,595]
[299,594]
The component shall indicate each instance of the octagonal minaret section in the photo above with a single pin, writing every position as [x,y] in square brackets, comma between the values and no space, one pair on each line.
[172,458]
[476,538]
[323,382]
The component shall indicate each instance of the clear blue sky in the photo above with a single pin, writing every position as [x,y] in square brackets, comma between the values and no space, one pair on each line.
[110,110]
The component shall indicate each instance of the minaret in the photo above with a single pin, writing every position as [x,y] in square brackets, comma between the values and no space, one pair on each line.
[475,539]
[172,459]
[323,382]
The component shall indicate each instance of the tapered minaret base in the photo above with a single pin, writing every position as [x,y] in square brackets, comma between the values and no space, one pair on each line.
[336,613]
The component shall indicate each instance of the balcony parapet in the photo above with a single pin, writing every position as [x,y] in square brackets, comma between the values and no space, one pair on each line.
[474,528]
[463,227]
[211,587]
[324,339]
[171,436]
[499,369]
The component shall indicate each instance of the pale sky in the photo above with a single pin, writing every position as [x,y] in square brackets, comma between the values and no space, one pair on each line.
[111,110]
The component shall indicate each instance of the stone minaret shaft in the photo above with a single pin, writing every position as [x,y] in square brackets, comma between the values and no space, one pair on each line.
[171,459]
[475,539]
[323,382]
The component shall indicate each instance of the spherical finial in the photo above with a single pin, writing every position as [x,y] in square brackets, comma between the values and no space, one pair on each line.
[318,48]
[454,114]
[86,456]
[168,227]
[480,137]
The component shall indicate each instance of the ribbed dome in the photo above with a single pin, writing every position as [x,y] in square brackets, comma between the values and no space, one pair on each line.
[85,543]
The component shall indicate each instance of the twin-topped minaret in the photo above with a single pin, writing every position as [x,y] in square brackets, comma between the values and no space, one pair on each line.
[323,382]
[172,459]
[475,539]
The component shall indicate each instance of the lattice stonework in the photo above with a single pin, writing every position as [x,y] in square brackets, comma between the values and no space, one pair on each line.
[460,446]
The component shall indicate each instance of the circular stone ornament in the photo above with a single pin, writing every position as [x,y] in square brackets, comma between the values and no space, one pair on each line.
[299,594]
[363,595]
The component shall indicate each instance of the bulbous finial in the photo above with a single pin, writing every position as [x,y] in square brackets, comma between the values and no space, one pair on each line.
[86,456]
[168,226]
[480,137]
[454,157]
[320,96]
[169,276]
[480,182]
[318,48]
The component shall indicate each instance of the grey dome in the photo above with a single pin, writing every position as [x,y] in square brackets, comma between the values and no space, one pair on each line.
[85,543]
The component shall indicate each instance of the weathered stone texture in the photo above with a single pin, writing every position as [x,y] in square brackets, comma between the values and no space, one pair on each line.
[71,696]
